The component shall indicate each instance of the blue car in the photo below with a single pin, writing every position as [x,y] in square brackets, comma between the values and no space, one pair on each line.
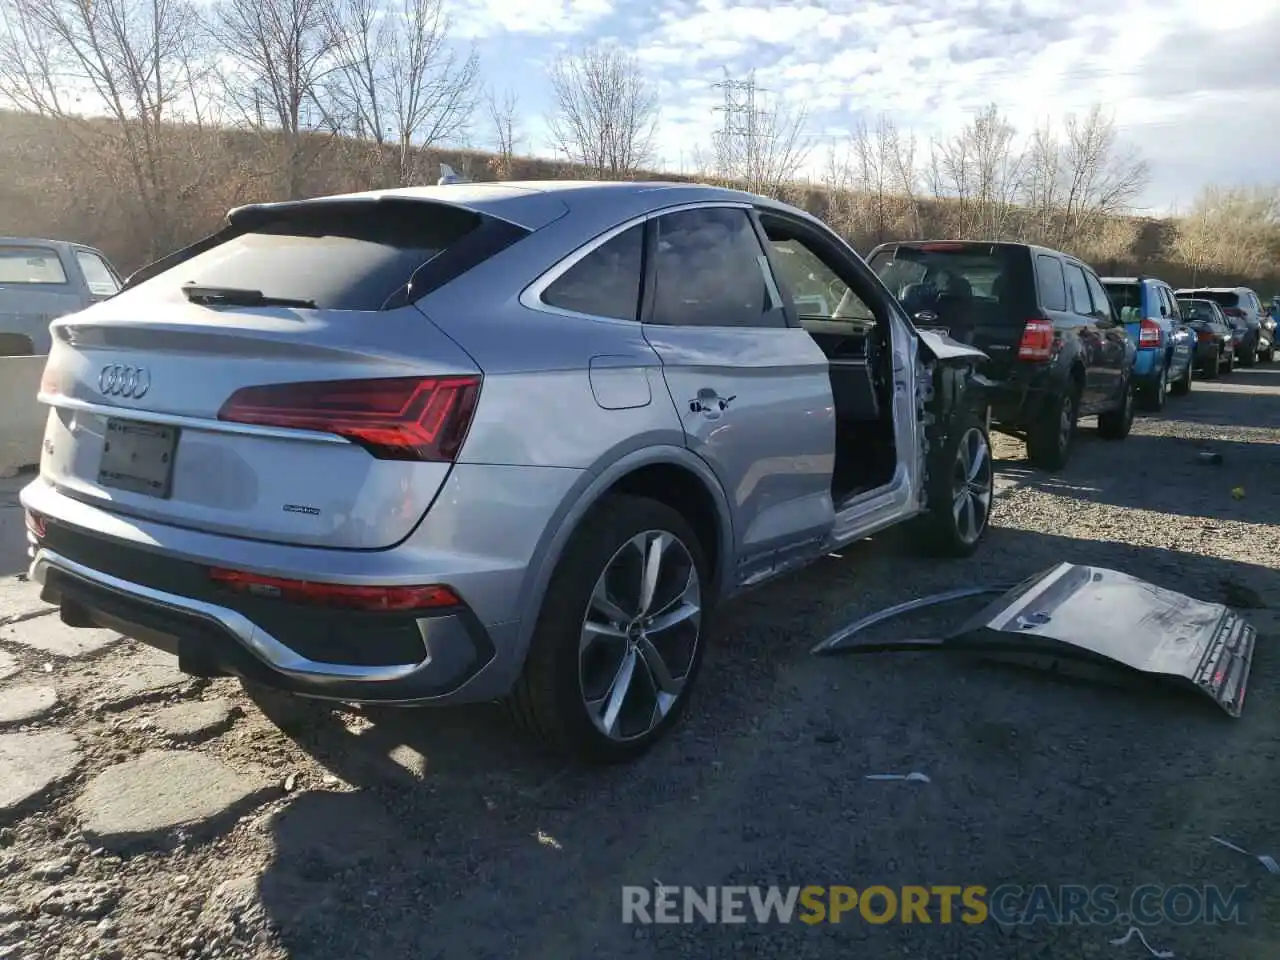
[1166,344]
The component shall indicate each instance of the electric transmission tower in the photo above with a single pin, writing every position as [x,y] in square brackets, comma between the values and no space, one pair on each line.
[741,125]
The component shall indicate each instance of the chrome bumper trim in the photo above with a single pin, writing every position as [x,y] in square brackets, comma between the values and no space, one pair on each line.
[252,637]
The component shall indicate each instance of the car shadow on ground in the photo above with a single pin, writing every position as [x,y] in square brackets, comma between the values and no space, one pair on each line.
[1167,474]
[458,840]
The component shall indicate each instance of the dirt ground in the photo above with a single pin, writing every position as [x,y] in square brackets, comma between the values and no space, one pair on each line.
[310,832]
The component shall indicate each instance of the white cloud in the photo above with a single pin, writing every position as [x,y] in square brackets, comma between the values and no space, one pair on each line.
[1171,70]
[483,18]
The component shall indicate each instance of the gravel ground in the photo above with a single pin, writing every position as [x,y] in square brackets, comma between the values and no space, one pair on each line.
[317,833]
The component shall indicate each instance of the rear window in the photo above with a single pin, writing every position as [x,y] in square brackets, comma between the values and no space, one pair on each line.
[1223,298]
[979,282]
[1196,310]
[339,257]
[1126,296]
[20,265]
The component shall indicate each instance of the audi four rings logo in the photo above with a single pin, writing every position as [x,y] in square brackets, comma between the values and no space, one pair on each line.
[121,380]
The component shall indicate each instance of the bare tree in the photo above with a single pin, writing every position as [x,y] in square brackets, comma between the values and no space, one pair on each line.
[981,170]
[767,149]
[606,112]
[136,61]
[1231,231]
[504,113]
[1101,178]
[282,51]
[398,81]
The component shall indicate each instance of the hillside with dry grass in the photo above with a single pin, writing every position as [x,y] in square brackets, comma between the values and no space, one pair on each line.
[82,180]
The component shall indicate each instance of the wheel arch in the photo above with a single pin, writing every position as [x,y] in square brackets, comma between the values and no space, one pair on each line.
[669,474]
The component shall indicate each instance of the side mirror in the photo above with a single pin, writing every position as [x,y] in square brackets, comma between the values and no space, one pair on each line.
[1164,311]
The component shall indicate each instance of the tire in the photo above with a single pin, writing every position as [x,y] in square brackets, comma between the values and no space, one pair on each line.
[1251,356]
[549,701]
[1269,355]
[1153,396]
[961,489]
[1116,424]
[1211,370]
[1049,438]
[1231,361]
[1183,386]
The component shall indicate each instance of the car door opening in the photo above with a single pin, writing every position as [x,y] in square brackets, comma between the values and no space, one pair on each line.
[856,342]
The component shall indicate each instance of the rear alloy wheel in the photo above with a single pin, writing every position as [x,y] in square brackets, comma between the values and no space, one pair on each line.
[1116,424]
[1211,370]
[1153,397]
[620,639]
[1183,386]
[1049,439]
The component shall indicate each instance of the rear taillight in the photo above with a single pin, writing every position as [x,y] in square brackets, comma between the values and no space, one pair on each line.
[1037,340]
[1233,312]
[35,524]
[1148,334]
[402,418]
[1204,335]
[349,596]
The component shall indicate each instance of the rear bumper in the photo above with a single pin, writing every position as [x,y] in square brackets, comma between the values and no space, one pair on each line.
[151,582]
[1147,364]
[1018,400]
[210,639]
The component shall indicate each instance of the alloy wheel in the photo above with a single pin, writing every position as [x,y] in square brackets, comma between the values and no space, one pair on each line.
[1066,422]
[971,486]
[640,634]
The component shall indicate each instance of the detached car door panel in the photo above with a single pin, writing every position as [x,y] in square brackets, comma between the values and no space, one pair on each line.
[754,394]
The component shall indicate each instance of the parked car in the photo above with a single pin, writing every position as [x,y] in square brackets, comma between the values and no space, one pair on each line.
[477,441]
[41,280]
[1057,349]
[1215,337]
[1166,345]
[1240,303]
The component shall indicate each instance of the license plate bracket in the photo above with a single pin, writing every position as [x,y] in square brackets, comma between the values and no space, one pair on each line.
[138,457]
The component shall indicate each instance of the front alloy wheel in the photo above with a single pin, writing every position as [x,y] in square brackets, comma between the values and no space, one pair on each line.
[971,486]
[640,635]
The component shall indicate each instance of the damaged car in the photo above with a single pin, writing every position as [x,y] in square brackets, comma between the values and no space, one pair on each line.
[491,441]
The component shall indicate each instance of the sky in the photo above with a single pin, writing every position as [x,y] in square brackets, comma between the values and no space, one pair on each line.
[1193,84]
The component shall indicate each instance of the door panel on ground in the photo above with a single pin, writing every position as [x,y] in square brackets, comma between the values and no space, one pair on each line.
[753,394]
[1091,346]
[1114,339]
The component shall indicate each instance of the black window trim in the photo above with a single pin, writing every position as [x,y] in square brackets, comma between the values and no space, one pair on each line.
[649,281]
[866,284]
[531,295]
[1112,317]
[1068,262]
[1056,260]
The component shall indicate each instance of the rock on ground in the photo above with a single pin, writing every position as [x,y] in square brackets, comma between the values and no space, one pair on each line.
[8,666]
[27,703]
[146,801]
[31,764]
[20,599]
[149,675]
[50,635]
[191,721]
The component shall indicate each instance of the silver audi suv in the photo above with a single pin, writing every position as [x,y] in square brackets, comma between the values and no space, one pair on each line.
[490,441]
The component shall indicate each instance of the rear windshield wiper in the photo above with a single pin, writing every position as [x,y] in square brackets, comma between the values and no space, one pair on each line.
[239,297]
